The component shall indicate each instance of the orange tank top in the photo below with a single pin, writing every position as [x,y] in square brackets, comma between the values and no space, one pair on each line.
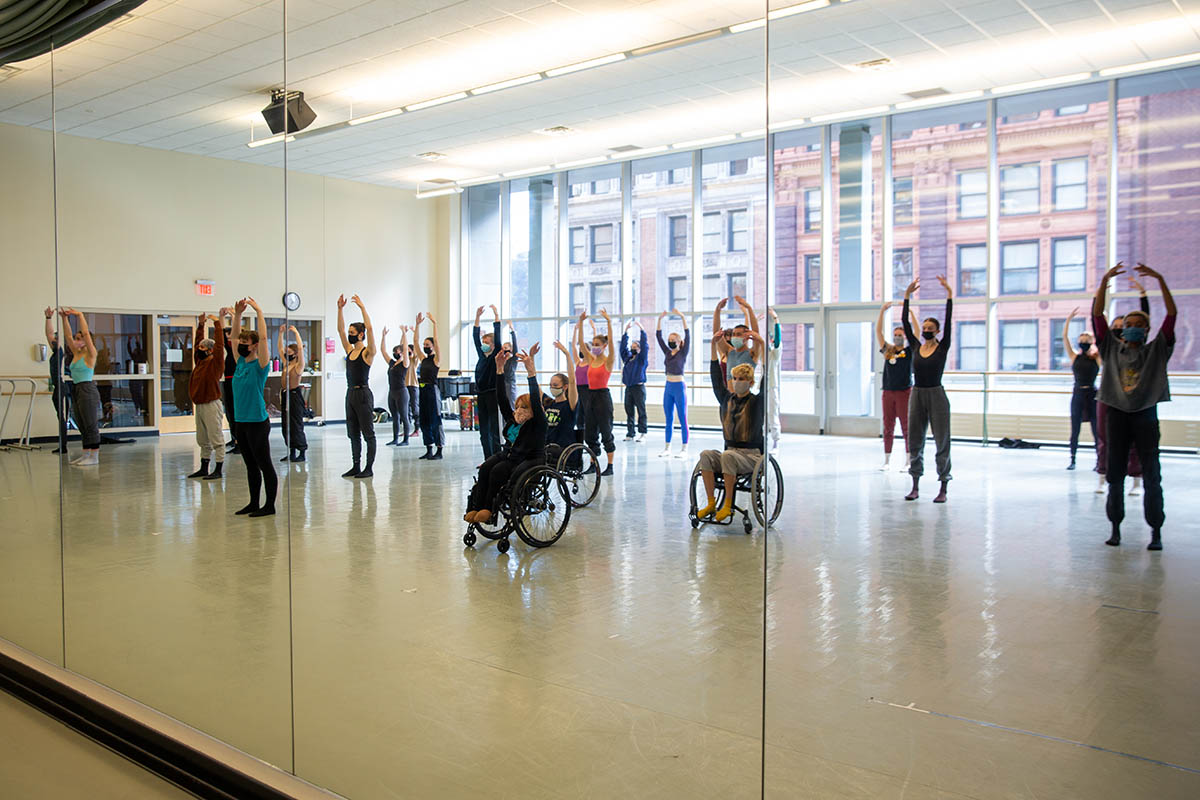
[598,377]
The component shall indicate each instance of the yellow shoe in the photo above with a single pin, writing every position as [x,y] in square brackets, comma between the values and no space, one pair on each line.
[725,513]
[707,510]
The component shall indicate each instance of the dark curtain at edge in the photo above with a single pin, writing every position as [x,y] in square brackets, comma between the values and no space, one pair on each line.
[30,28]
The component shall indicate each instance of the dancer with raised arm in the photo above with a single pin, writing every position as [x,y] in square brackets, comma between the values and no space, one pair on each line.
[675,360]
[254,426]
[359,346]
[1085,366]
[928,405]
[431,398]
[599,404]
[635,356]
[397,371]
[60,381]
[292,425]
[204,389]
[84,394]
[1134,467]
[897,382]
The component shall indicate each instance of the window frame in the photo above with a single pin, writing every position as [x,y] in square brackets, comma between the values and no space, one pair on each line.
[732,230]
[812,211]
[611,244]
[811,260]
[1035,269]
[960,195]
[1036,189]
[1001,347]
[897,206]
[1057,185]
[673,236]
[1054,265]
[961,346]
[958,255]
[581,246]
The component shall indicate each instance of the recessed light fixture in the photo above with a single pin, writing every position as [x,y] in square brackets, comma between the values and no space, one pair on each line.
[788,123]
[862,112]
[582,65]
[556,130]
[495,87]
[933,100]
[431,156]
[1039,84]
[1161,62]
[874,65]
[279,137]
[439,192]
[437,101]
[699,142]
[799,8]
[672,43]
[372,117]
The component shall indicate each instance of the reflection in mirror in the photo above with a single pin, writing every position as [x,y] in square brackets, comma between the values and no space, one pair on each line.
[164,217]
[561,167]
[33,399]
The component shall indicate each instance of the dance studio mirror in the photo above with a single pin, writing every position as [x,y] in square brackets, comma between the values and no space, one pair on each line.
[549,161]
[166,213]
[31,547]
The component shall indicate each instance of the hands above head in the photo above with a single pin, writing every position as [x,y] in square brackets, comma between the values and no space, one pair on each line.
[562,348]
[604,313]
[420,317]
[250,301]
[1114,271]
[478,314]
[341,302]
[49,312]
[886,306]
[495,311]
[292,328]
[429,316]
[239,307]
[385,330]
[357,301]
[775,316]
[534,349]
[721,304]
[1074,312]
[502,357]
[583,315]
[912,287]
[945,285]
[1145,272]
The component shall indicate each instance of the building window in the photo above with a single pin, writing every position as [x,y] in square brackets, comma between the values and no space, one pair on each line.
[679,236]
[1070,184]
[1020,189]
[578,245]
[902,201]
[676,176]
[1019,268]
[1058,355]
[604,186]
[812,278]
[602,295]
[972,270]
[972,346]
[739,167]
[736,284]
[971,126]
[902,271]
[712,232]
[577,298]
[679,293]
[575,189]
[812,210]
[602,244]
[739,235]
[1018,345]
[1066,111]
[972,194]
[1069,258]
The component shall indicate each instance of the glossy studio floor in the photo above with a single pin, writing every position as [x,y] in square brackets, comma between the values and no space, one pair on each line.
[989,648]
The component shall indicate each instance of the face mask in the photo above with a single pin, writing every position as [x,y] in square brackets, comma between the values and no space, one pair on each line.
[202,354]
[741,388]
[737,342]
[1134,334]
[928,335]
[486,348]
[428,351]
[557,391]
[291,357]
[673,344]
[635,350]
[898,341]
[352,338]
[597,351]
[1084,345]
[396,355]
[243,350]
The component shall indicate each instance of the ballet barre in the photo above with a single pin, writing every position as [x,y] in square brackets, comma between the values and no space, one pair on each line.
[22,441]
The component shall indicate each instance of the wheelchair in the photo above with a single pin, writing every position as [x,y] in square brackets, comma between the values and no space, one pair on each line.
[580,468]
[765,486]
[536,507]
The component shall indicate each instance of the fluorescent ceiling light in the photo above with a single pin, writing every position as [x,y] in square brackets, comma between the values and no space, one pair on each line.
[437,101]
[799,8]
[432,155]
[788,123]
[862,112]
[439,192]
[748,26]
[279,137]
[595,62]
[934,100]
[1161,62]
[1020,87]
[755,134]
[495,87]
[698,142]
[518,173]
[581,162]
[645,151]
[672,43]
[372,117]
[480,179]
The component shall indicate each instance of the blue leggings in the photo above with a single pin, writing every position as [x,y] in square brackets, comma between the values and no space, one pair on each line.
[674,397]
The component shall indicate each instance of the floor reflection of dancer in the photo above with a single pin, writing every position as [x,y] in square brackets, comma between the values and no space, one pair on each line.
[599,404]
[1134,468]
[928,404]
[253,423]
[675,360]
[1134,383]
[359,345]
[431,398]
[1085,366]
[60,381]
[84,394]
[204,390]
[292,424]
[897,382]
[397,370]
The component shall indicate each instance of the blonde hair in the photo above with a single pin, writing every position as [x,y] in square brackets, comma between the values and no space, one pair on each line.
[742,372]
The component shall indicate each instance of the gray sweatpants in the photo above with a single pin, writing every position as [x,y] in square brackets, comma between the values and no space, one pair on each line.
[928,405]
[87,413]
[208,430]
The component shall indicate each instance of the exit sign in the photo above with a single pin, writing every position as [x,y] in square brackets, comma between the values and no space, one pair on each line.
[204,287]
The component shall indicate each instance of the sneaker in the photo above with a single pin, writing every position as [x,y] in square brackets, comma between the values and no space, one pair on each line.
[629,437]
[1100,487]
[683,452]
[641,437]
[1136,489]
[886,464]
[607,471]
[666,453]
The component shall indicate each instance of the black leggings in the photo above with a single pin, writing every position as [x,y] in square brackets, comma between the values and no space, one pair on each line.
[1083,407]
[62,407]
[489,422]
[398,407]
[360,422]
[254,443]
[495,473]
[292,427]
[1138,431]
[431,415]
[600,420]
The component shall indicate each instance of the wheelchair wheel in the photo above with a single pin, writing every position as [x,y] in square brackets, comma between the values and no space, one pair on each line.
[469,538]
[573,466]
[767,487]
[542,507]
[502,545]
[497,527]
[698,498]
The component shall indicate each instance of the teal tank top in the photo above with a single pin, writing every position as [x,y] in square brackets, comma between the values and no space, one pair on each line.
[80,371]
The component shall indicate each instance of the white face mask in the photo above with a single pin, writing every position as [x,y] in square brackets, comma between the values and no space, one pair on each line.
[737,342]
[557,391]
[741,388]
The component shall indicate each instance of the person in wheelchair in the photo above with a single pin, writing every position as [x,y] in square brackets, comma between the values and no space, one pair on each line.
[742,421]
[560,407]
[523,443]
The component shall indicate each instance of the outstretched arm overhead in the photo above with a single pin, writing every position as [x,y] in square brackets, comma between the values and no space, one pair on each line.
[1066,336]
[884,344]
[369,338]
[49,312]
[910,327]
[1168,300]
[610,353]
[437,349]
[264,343]
[341,322]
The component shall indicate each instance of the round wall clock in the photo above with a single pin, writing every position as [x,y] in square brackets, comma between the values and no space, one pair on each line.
[291,301]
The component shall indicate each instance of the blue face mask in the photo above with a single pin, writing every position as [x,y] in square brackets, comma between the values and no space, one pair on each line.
[736,342]
[486,348]
[1136,335]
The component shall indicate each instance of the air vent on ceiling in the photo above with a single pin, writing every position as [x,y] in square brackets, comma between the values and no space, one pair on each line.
[875,64]
[556,130]
[431,156]
[438,180]
[625,148]
[921,94]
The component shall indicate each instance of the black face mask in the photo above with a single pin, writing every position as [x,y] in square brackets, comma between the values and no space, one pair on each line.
[1084,345]
[674,345]
[396,355]
[243,350]
[291,357]
[929,335]
[428,351]
[202,354]
[352,338]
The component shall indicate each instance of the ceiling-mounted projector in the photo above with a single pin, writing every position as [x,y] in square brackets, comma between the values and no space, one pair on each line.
[289,106]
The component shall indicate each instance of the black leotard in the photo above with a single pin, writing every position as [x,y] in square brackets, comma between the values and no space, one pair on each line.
[357,371]
[1086,369]
[396,375]
[927,370]
[427,372]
